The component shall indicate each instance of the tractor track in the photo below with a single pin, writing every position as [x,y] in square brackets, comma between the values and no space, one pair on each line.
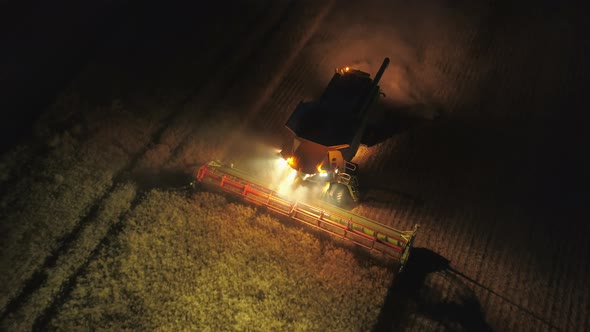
[42,321]
[247,53]
[300,42]
[270,112]
[37,279]
[223,87]
[38,150]
[462,228]
[268,74]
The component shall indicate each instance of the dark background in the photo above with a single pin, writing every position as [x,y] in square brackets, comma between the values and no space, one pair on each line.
[45,45]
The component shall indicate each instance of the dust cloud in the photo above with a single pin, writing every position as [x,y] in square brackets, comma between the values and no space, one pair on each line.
[259,155]
[385,30]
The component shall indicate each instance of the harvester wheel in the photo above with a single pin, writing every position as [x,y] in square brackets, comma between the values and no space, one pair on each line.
[339,195]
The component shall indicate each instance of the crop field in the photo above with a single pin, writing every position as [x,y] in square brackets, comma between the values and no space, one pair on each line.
[480,139]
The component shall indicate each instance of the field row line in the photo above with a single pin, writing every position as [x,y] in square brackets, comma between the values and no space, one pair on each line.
[38,278]
[42,321]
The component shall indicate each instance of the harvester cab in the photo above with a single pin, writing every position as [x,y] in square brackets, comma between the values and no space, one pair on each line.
[328,131]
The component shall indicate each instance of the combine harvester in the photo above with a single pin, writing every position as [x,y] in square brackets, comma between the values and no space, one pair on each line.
[328,133]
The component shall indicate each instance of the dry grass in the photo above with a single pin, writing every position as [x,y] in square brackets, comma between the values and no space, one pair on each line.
[40,209]
[201,263]
[67,265]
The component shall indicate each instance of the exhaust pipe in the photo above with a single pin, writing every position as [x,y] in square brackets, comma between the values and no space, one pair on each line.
[381,71]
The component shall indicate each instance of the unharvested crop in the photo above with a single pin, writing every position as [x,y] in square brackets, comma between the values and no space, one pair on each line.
[201,263]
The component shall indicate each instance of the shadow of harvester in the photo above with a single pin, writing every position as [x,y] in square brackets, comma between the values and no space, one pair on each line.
[412,295]
[388,120]
[164,179]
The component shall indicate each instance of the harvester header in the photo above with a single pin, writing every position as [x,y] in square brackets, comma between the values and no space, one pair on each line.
[343,224]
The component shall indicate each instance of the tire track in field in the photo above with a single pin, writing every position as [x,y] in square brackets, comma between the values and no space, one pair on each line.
[19,192]
[284,101]
[38,278]
[582,304]
[292,85]
[566,286]
[540,295]
[455,230]
[288,93]
[114,206]
[38,149]
[504,283]
[219,88]
[511,261]
[539,288]
[520,300]
[551,291]
[42,321]
[525,298]
[277,77]
[565,317]
[578,288]
[553,285]
[455,224]
[465,243]
[522,269]
[489,260]
[253,71]
[510,285]
[300,38]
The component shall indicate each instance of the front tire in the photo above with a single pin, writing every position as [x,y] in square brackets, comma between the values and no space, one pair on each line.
[339,195]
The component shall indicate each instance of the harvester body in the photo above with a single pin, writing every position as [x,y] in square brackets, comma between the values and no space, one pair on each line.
[328,131]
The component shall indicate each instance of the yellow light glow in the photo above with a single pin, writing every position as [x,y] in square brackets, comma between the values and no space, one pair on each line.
[290,161]
[291,177]
[346,69]
[284,186]
[320,169]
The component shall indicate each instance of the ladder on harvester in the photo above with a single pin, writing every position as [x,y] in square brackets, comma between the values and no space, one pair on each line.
[361,231]
[350,180]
